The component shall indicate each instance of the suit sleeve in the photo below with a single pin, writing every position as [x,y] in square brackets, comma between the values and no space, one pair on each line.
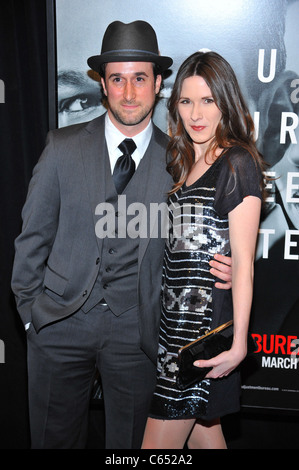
[40,217]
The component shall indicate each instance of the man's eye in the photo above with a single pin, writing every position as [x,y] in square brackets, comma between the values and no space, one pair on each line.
[79,103]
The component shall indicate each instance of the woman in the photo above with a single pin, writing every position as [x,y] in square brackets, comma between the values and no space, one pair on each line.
[218,181]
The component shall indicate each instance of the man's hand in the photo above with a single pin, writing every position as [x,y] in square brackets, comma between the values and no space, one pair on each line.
[221,268]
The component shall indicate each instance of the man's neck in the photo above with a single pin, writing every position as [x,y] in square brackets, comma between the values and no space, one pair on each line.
[130,131]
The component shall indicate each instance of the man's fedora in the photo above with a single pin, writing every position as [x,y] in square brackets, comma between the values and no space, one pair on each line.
[133,42]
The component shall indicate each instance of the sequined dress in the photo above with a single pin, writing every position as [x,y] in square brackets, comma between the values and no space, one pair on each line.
[190,303]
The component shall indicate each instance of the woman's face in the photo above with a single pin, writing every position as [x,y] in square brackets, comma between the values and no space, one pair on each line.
[198,110]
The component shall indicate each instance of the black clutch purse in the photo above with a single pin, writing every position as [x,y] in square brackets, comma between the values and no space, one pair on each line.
[206,347]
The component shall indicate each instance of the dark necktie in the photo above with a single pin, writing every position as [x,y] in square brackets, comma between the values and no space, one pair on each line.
[125,165]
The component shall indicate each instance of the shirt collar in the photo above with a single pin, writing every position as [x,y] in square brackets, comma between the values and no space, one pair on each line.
[114,137]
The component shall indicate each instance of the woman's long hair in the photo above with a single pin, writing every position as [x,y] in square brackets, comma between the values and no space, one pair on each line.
[236,126]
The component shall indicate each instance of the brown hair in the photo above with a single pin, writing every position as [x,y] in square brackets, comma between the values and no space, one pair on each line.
[235,127]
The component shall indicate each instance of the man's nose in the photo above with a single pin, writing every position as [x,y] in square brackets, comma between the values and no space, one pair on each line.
[129,91]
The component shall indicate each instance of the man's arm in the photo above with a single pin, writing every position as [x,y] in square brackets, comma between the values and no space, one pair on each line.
[221,268]
[33,245]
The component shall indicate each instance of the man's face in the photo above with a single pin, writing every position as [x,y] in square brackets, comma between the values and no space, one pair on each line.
[131,91]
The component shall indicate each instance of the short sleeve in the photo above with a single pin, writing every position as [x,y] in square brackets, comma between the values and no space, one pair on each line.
[239,177]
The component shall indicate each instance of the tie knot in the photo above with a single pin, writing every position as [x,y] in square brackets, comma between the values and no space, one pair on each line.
[127,146]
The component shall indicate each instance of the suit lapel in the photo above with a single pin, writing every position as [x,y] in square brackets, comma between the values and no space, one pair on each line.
[93,152]
[158,185]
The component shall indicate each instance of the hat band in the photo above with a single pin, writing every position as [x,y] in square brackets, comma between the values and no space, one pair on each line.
[129,51]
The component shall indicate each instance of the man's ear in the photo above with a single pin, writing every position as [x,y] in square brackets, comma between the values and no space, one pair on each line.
[273,101]
[158,84]
[104,86]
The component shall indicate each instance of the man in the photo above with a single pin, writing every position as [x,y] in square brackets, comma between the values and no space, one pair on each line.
[90,301]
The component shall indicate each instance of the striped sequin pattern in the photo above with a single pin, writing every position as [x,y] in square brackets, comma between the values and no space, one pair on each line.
[196,233]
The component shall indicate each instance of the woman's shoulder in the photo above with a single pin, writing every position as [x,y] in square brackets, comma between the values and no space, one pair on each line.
[237,152]
[239,158]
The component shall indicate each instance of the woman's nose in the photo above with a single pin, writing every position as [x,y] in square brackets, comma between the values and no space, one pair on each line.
[196,113]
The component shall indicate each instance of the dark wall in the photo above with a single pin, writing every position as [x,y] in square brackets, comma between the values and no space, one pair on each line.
[23,127]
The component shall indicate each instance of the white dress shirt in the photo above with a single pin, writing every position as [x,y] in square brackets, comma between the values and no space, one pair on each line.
[114,137]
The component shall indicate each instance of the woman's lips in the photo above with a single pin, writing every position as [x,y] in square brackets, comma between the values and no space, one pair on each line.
[198,128]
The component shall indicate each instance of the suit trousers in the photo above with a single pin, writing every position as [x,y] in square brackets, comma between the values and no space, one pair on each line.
[62,360]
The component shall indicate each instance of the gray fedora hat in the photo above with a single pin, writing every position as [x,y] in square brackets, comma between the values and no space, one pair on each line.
[132,42]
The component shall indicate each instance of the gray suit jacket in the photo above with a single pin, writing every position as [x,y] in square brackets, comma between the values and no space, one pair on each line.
[57,253]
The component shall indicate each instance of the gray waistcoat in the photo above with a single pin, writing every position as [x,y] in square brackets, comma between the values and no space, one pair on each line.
[117,278]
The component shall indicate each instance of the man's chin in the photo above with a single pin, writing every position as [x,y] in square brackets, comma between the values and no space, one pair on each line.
[131,119]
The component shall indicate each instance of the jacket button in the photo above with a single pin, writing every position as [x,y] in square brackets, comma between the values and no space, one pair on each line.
[105,286]
[98,260]
[84,293]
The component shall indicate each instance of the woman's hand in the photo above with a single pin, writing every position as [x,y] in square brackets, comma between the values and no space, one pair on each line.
[224,363]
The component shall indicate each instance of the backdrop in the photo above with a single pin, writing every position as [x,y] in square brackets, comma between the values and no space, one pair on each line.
[260,39]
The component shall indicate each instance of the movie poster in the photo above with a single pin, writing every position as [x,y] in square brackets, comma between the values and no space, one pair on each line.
[260,40]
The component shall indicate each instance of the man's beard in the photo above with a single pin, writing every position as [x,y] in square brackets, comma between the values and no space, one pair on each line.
[127,120]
